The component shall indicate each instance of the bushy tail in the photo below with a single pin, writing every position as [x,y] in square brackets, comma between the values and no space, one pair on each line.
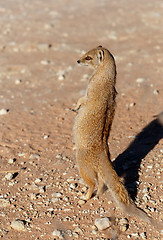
[120,193]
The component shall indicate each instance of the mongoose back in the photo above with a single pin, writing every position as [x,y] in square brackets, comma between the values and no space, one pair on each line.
[91,130]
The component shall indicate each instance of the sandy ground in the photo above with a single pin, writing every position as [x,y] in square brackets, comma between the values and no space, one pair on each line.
[40,82]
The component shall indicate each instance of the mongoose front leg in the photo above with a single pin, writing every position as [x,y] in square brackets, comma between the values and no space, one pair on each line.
[81,101]
[89,193]
[89,176]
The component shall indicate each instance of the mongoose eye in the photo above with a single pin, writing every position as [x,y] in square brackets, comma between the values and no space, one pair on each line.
[88,58]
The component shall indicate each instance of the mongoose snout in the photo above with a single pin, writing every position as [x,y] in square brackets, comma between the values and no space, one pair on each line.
[78,61]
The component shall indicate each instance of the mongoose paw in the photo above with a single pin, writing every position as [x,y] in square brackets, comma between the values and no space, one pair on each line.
[101,190]
[86,197]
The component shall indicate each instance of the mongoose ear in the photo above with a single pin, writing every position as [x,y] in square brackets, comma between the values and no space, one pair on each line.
[100,55]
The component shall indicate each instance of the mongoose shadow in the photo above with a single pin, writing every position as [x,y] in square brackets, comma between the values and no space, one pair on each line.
[127,164]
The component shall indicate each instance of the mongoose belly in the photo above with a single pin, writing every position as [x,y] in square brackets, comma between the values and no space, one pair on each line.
[88,128]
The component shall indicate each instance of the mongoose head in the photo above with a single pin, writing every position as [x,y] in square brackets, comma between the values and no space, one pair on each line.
[94,57]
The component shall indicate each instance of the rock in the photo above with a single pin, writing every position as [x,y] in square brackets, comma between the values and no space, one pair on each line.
[42,189]
[11,161]
[123,221]
[56,195]
[18,81]
[9,176]
[38,180]
[123,224]
[33,186]
[140,80]
[72,185]
[21,154]
[18,225]
[75,235]
[81,202]
[123,228]
[78,230]
[143,235]
[102,223]
[156,92]
[34,156]
[4,203]
[54,200]
[132,104]
[136,235]
[4,111]
[57,233]
[94,232]
[44,46]
[61,75]
[45,62]
[32,196]
[45,137]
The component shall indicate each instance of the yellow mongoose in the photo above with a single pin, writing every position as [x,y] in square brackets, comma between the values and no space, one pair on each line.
[91,131]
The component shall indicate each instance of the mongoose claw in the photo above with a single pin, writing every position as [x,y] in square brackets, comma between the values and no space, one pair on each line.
[84,197]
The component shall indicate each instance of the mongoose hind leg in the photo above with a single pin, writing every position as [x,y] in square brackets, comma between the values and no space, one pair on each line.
[101,185]
[89,177]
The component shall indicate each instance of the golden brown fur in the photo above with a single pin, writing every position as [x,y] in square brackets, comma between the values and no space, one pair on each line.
[91,131]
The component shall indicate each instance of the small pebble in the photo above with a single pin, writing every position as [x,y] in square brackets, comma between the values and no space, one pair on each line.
[135,235]
[11,161]
[4,203]
[123,221]
[44,46]
[76,235]
[61,75]
[9,176]
[17,225]
[46,137]
[21,154]
[38,180]
[54,200]
[3,111]
[42,189]
[18,81]
[156,92]
[81,202]
[34,156]
[72,185]
[143,235]
[94,232]
[132,104]
[123,228]
[56,195]
[45,62]
[57,233]
[102,223]
[140,80]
